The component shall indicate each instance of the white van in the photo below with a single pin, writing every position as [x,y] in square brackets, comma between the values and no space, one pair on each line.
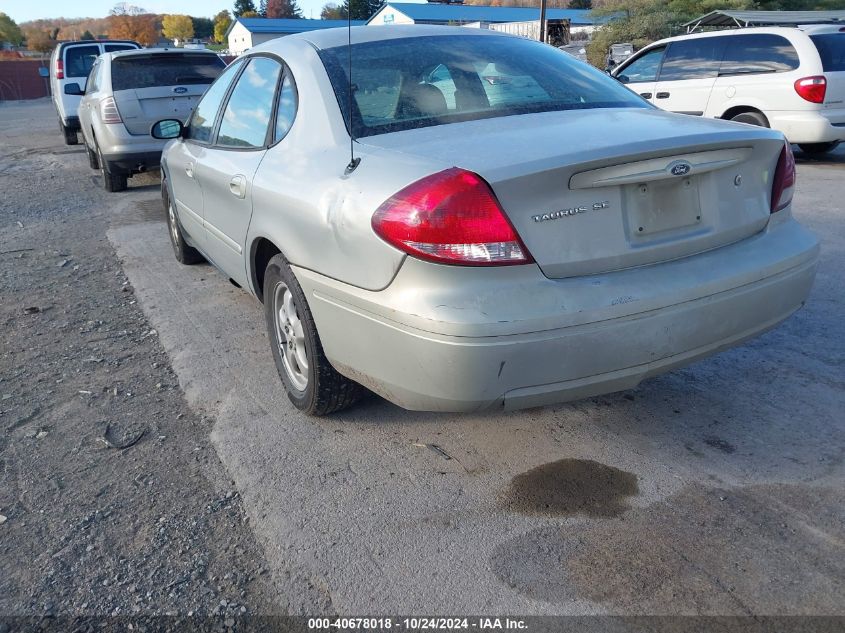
[789,79]
[70,63]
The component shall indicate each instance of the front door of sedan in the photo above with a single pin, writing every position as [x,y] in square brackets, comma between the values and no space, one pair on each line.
[183,156]
[640,74]
[228,166]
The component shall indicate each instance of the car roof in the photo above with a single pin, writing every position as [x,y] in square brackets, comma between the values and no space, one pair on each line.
[330,38]
[768,30]
[158,51]
[64,45]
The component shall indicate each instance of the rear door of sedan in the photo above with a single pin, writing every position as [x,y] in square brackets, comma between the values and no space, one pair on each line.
[226,169]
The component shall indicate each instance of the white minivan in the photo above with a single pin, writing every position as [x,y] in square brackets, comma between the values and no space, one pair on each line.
[789,79]
[70,63]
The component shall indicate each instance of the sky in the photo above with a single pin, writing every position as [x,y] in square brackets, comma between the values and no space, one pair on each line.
[25,10]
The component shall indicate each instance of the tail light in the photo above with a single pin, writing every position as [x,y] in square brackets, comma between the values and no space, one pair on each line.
[811,89]
[783,184]
[109,112]
[451,217]
[60,69]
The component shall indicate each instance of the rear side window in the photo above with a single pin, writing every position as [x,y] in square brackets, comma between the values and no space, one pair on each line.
[696,58]
[152,71]
[831,47]
[80,59]
[758,53]
[247,115]
[415,82]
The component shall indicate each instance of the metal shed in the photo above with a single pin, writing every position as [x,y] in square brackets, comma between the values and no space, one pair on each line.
[737,19]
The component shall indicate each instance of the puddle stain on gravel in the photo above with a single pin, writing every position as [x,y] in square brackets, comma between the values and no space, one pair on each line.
[571,487]
[774,548]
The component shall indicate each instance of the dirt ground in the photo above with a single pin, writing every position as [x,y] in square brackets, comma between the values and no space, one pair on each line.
[717,489]
[113,500]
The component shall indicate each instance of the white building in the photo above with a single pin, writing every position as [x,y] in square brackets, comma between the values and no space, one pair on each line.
[244,33]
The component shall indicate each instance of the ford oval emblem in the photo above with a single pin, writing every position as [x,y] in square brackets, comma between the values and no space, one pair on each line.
[681,169]
[180,90]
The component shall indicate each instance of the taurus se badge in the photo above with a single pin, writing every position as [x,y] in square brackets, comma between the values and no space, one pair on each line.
[565,213]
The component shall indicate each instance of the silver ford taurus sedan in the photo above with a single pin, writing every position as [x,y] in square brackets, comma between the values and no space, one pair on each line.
[475,220]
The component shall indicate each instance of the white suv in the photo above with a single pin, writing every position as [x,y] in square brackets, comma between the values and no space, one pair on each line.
[789,79]
[71,62]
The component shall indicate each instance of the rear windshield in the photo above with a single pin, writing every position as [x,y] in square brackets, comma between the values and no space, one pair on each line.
[152,71]
[80,59]
[831,47]
[416,82]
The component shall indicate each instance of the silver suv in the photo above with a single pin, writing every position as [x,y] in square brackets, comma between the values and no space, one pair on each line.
[129,91]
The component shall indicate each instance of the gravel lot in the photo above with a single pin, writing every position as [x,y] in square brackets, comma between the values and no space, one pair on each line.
[716,489]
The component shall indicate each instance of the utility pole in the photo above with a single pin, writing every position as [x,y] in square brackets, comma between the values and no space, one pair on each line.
[542,20]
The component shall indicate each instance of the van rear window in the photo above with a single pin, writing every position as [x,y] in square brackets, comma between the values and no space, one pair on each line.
[831,47]
[153,71]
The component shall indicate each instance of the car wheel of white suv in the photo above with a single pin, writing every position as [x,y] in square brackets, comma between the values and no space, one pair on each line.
[312,384]
[752,118]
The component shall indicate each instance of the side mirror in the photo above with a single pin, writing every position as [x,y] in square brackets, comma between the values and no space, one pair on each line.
[167,129]
[74,90]
[43,71]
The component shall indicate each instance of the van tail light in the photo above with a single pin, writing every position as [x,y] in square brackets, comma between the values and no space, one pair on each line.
[783,184]
[109,112]
[451,217]
[60,69]
[812,89]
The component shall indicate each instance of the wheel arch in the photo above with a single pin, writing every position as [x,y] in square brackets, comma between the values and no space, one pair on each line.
[740,109]
[261,251]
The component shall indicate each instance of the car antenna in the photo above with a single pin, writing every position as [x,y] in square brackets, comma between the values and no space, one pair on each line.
[353,162]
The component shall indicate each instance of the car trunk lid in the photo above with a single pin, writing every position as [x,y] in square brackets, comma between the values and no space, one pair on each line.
[600,190]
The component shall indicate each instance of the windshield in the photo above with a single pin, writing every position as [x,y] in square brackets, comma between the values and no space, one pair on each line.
[152,71]
[416,82]
[831,47]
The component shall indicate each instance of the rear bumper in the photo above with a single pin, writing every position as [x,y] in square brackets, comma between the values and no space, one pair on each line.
[128,152]
[810,127]
[134,162]
[514,339]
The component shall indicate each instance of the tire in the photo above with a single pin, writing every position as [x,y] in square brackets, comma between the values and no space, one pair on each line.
[71,137]
[184,253]
[93,159]
[111,182]
[312,384]
[753,118]
[818,148]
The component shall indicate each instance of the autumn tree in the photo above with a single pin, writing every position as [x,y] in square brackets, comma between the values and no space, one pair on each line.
[250,14]
[9,31]
[141,28]
[282,9]
[177,27]
[87,35]
[221,24]
[244,6]
[332,12]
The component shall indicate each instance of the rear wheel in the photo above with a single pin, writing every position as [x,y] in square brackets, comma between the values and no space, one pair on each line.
[818,148]
[312,384]
[71,137]
[184,253]
[111,181]
[753,118]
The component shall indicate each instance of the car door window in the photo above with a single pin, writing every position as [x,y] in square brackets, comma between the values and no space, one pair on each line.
[696,58]
[250,107]
[286,109]
[643,68]
[758,53]
[201,123]
[80,59]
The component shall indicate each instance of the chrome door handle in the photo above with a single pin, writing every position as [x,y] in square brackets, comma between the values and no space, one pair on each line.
[237,186]
[189,170]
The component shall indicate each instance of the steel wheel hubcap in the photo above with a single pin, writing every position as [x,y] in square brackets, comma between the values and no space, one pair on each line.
[174,231]
[290,336]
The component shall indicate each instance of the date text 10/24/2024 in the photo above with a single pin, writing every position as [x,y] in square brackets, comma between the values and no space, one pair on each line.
[416,624]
